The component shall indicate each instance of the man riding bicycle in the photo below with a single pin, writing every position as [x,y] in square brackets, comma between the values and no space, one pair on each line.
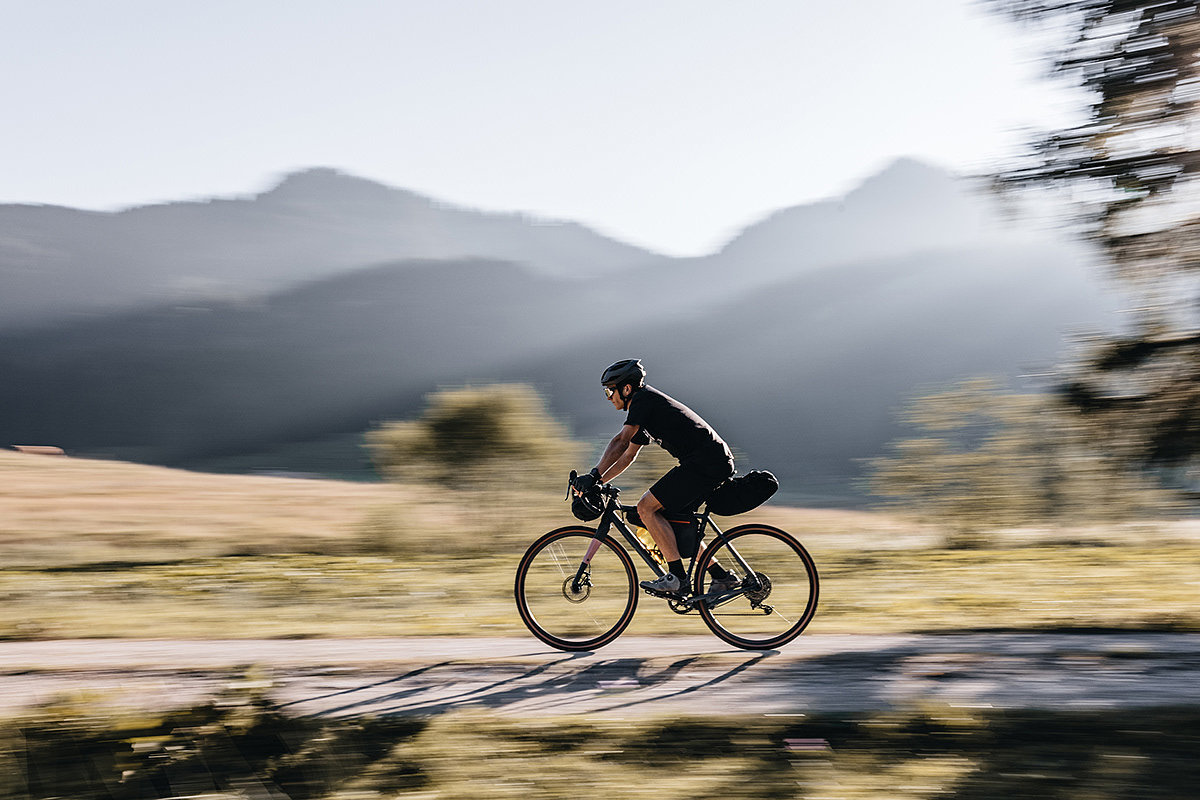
[705,462]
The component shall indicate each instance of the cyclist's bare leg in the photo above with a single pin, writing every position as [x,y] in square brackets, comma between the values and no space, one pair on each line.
[701,546]
[715,564]
[651,512]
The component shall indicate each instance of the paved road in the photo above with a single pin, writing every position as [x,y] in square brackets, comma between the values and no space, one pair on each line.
[636,675]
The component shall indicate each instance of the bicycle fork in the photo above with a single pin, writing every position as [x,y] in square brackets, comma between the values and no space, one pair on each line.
[581,575]
[602,532]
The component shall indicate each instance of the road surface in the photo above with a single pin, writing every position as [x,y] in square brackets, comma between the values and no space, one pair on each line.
[633,676]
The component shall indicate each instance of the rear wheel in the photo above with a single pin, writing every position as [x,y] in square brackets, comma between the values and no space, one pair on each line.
[778,594]
[570,614]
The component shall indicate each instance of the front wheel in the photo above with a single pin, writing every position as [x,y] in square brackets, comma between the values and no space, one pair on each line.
[777,597]
[573,614]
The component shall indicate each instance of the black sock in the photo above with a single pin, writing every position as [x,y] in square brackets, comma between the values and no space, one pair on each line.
[676,568]
[717,571]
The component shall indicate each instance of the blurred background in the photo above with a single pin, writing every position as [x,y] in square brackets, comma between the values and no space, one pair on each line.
[315,299]
[233,255]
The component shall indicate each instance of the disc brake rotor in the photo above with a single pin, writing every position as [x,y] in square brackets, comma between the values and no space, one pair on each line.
[584,592]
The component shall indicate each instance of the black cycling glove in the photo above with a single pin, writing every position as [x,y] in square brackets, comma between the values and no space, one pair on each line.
[585,482]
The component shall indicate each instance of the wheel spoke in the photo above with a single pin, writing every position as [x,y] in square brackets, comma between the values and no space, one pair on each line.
[777,602]
[569,618]
[558,555]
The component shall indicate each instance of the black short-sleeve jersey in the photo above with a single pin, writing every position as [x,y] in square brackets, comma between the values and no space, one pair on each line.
[679,430]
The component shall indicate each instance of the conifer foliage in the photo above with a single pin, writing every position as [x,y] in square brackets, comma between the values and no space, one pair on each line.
[1132,169]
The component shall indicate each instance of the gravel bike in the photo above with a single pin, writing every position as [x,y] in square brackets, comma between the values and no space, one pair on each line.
[577,587]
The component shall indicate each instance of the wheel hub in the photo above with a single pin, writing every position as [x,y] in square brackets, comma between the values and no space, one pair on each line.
[760,591]
[577,596]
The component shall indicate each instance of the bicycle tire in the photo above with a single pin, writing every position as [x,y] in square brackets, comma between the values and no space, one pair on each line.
[786,582]
[575,621]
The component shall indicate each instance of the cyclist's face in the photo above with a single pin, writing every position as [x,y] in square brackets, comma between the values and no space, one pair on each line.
[614,396]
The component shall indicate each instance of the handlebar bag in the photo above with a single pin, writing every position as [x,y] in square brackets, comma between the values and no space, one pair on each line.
[742,493]
[585,508]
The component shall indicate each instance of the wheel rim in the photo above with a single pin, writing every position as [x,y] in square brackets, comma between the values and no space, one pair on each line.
[568,617]
[785,583]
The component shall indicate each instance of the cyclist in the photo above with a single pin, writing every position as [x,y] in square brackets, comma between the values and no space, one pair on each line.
[704,463]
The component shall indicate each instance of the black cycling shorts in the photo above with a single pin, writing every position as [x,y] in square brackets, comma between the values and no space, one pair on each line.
[685,487]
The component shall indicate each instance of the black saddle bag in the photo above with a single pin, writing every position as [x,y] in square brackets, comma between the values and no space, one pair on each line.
[742,493]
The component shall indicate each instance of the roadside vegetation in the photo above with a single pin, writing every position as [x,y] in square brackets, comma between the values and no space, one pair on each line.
[239,745]
[983,460]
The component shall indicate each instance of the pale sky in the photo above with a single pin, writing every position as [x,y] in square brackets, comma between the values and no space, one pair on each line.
[670,124]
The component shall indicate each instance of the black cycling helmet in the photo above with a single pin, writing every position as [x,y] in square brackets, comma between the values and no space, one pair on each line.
[628,371]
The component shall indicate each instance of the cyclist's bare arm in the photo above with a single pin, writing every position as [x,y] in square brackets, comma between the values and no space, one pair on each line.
[619,453]
[622,463]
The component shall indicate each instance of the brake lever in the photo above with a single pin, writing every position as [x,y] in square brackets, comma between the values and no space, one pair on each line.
[571,484]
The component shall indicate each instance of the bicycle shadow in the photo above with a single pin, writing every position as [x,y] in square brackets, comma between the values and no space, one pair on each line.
[1014,670]
[365,687]
[574,682]
[394,702]
[728,675]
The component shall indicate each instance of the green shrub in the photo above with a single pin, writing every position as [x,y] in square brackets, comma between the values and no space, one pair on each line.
[477,436]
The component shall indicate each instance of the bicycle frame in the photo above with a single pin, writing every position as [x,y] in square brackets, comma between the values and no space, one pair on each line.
[549,592]
[611,516]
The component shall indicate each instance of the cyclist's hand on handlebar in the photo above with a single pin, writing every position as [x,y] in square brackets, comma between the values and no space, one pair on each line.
[583,483]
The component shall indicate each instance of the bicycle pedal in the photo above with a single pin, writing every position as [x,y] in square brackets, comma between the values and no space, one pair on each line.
[667,595]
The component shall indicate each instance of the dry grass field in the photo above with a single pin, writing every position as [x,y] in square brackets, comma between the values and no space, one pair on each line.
[98,548]
[56,511]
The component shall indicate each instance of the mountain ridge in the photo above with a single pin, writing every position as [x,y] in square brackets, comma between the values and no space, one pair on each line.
[57,262]
[800,353]
[805,376]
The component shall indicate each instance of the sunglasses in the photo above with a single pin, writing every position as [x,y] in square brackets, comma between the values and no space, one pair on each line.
[609,391]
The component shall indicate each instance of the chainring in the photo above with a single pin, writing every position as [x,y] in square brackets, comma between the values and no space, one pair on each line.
[680,606]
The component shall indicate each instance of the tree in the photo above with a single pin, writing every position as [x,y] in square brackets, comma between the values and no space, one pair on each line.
[986,459]
[477,436]
[1133,171]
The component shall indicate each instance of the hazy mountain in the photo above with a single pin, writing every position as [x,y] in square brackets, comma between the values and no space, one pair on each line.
[178,383]
[806,377]
[59,262]
[909,208]
[800,340]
